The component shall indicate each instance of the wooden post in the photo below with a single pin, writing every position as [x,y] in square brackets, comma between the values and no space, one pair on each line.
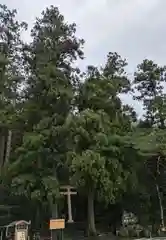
[54,233]
[68,192]
[57,225]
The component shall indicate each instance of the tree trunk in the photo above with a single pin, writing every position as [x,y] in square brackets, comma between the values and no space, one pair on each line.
[8,147]
[2,150]
[91,216]
[161,206]
[37,218]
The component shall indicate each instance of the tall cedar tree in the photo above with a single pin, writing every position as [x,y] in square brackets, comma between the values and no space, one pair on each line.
[97,134]
[149,88]
[50,86]
[11,78]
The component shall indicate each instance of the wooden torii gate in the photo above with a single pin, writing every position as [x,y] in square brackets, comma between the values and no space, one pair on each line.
[68,191]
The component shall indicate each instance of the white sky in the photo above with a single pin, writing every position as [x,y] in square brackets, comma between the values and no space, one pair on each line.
[136,29]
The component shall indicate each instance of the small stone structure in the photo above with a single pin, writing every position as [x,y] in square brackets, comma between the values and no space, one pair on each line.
[129,219]
[17,230]
[130,226]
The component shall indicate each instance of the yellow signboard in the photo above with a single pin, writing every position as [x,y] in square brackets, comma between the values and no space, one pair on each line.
[57,224]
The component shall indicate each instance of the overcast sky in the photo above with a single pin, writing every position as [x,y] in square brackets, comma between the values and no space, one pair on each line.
[136,29]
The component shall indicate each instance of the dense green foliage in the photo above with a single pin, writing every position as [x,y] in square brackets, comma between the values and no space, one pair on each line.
[59,126]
